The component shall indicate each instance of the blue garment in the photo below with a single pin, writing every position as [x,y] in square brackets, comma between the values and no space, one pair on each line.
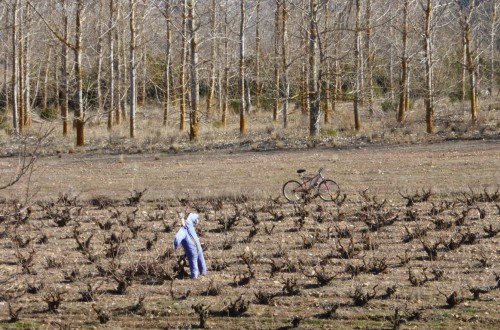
[192,247]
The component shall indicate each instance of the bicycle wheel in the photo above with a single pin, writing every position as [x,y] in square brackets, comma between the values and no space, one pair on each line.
[328,190]
[289,191]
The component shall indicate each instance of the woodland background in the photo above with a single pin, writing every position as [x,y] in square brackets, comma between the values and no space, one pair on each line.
[203,63]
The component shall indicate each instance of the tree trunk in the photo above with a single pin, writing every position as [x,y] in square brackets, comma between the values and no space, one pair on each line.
[314,98]
[111,99]
[123,65]
[213,56]
[358,70]
[284,52]
[242,68]
[45,87]
[492,48]
[132,68]
[21,48]
[226,69]
[470,61]
[168,59]
[79,112]
[15,69]
[471,68]
[6,90]
[324,75]
[337,83]
[100,56]
[369,55]
[64,100]
[463,92]
[277,33]
[391,65]
[429,97]
[118,66]
[182,68]
[195,87]
[257,55]
[27,67]
[144,76]
[403,86]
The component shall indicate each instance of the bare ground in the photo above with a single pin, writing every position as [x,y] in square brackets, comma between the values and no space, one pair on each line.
[376,228]
[445,167]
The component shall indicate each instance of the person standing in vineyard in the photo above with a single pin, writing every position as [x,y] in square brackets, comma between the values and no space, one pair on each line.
[187,237]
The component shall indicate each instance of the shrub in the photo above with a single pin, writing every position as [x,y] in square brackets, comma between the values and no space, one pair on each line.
[389,105]
[332,132]
[49,113]
[4,122]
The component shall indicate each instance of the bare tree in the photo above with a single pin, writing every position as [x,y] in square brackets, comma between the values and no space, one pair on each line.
[369,54]
[132,63]
[285,62]
[15,69]
[213,56]
[277,33]
[242,66]
[167,13]
[77,50]
[195,85]
[314,97]
[225,98]
[182,68]
[404,79]
[493,32]
[358,62]
[466,11]
[26,66]
[257,54]
[111,78]
[428,46]
[64,101]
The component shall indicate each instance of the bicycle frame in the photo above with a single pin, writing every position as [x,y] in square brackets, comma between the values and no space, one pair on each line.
[310,182]
[327,189]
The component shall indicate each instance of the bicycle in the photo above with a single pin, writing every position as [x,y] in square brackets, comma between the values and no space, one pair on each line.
[328,190]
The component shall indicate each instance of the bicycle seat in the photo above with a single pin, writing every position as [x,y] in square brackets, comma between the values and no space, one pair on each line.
[301,170]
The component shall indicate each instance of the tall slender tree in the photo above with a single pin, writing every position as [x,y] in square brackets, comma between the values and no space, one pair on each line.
[15,68]
[27,65]
[182,68]
[195,86]
[369,55]
[493,38]
[257,53]
[277,83]
[225,101]
[168,61]
[79,112]
[242,66]
[213,57]
[404,79]
[466,12]
[429,72]
[314,97]
[132,66]
[111,64]
[285,62]
[358,67]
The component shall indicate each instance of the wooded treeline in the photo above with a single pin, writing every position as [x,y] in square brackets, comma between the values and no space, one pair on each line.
[83,58]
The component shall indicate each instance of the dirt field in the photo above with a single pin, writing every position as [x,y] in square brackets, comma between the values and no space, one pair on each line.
[87,249]
[447,168]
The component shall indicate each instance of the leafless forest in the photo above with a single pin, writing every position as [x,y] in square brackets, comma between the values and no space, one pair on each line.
[117,115]
[198,62]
